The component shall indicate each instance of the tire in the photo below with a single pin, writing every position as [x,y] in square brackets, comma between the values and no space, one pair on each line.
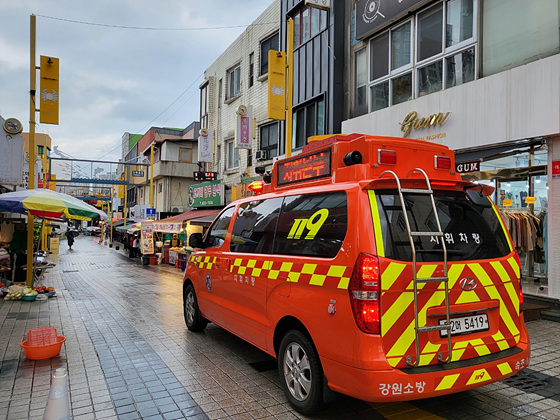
[301,373]
[193,318]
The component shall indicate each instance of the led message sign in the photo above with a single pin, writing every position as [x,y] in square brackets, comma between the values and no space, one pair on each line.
[305,167]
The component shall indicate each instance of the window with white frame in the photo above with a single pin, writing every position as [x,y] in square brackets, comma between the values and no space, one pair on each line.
[431,51]
[271,43]
[232,155]
[234,82]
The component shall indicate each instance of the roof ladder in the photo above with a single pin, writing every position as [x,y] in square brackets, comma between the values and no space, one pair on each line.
[416,281]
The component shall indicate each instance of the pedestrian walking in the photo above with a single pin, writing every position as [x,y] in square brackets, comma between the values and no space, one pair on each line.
[136,246]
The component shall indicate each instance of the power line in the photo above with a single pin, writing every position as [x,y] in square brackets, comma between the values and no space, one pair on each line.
[155,118]
[147,28]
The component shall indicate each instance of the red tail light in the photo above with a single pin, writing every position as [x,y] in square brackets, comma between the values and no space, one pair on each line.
[442,162]
[365,291]
[388,157]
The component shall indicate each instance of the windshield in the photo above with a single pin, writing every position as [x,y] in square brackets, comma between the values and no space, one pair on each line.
[470,232]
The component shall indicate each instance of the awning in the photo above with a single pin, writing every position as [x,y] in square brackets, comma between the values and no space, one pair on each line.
[497,151]
[174,224]
[123,228]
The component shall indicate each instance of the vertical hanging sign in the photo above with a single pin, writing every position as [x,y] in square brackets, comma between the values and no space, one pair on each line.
[49,93]
[244,127]
[205,145]
[276,85]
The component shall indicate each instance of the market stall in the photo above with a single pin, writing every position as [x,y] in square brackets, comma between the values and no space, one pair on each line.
[168,238]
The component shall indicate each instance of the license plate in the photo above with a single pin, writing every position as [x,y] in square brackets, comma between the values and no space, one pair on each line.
[466,324]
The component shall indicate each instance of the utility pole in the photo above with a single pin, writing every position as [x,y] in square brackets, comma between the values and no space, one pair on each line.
[31,149]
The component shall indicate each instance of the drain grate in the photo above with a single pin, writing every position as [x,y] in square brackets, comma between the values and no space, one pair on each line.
[265,365]
[525,382]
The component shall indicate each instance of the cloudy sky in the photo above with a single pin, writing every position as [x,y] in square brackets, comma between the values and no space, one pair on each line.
[115,79]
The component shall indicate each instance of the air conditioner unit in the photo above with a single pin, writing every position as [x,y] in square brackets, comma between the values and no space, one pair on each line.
[261,155]
[176,209]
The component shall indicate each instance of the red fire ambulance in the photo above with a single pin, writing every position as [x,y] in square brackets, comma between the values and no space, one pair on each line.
[368,265]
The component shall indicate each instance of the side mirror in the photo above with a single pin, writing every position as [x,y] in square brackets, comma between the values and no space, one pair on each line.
[478,198]
[195,240]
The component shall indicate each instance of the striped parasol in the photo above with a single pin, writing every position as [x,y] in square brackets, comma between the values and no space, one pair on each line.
[47,203]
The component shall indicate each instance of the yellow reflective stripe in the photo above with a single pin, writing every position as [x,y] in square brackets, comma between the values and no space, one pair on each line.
[286,266]
[251,263]
[479,375]
[404,341]
[447,382]
[317,279]
[376,224]
[493,293]
[308,268]
[512,261]
[391,274]
[395,311]
[497,265]
[500,340]
[293,277]
[503,226]
[338,271]
[505,368]
[394,361]
[343,283]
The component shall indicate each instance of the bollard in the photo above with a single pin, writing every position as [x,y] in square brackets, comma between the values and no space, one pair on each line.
[58,404]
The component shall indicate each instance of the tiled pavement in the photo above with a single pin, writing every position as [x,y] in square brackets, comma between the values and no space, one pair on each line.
[130,356]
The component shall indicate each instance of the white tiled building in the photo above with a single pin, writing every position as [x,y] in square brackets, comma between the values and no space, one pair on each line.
[240,77]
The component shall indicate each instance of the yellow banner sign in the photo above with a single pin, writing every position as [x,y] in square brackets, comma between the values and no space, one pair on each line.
[507,203]
[530,200]
[49,93]
[276,85]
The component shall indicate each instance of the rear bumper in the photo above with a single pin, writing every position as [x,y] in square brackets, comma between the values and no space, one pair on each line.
[429,381]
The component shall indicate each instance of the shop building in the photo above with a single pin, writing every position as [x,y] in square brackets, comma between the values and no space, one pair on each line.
[482,77]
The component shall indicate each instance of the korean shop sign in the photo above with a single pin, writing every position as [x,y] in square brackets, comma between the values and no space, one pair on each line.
[207,194]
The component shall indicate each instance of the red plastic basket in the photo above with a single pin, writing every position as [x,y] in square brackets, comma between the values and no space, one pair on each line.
[42,343]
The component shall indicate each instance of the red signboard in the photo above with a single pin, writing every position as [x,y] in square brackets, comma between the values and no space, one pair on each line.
[556,168]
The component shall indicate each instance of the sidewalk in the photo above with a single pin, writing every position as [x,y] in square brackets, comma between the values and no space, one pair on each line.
[129,355]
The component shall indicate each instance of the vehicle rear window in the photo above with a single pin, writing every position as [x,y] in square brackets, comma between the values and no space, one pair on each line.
[470,232]
[312,225]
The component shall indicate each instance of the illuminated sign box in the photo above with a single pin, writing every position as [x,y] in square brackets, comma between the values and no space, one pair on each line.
[305,167]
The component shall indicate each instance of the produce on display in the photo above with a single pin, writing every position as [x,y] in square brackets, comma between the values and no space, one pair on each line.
[16,291]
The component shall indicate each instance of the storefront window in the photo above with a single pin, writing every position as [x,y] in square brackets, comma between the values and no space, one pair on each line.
[522,197]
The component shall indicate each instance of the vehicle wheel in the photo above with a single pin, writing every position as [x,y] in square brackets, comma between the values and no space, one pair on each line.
[193,318]
[300,372]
